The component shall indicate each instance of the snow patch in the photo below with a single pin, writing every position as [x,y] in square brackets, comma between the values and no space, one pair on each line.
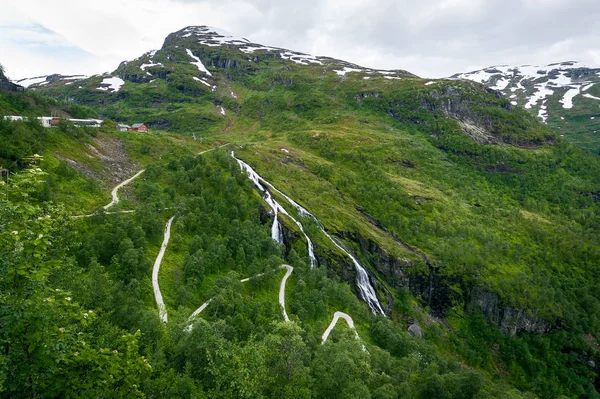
[144,66]
[198,63]
[543,113]
[587,87]
[591,97]
[300,58]
[429,83]
[202,81]
[346,70]
[222,111]
[501,84]
[74,77]
[251,49]
[114,83]
[31,81]
[477,76]
[541,93]
[567,100]
[213,37]
[285,150]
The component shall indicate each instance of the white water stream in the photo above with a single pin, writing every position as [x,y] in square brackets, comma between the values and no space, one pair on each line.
[367,292]
[276,233]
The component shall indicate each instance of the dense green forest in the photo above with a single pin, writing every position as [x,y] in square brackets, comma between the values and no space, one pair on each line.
[79,319]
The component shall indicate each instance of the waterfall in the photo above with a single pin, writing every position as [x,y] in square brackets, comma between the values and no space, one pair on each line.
[366,290]
[276,233]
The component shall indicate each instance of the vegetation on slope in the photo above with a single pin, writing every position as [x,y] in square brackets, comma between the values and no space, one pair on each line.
[460,206]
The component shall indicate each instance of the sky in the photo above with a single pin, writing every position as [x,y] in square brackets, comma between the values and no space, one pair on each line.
[431,38]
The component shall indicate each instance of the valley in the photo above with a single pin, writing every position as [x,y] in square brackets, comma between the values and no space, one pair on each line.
[455,233]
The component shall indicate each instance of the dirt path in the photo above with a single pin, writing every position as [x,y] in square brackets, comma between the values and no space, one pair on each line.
[212,149]
[162,310]
[282,290]
[290,269]
[336,317]
[115,191]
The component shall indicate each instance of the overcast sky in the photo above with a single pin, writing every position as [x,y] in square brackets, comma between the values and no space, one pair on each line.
[431,38]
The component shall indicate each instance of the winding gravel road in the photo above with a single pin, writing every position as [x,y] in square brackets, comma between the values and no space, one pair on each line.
[282,290]
[162,310]
[115,191]
[290,269]
[336,317]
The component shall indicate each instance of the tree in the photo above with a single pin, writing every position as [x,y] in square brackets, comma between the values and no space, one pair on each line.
[341,369]
[49,343]
[287,362]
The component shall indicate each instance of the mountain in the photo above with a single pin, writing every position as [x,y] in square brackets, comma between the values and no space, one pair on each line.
[566,96]
[452,235]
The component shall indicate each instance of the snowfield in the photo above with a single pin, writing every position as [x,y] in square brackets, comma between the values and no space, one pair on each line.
[114,83]
[198,63]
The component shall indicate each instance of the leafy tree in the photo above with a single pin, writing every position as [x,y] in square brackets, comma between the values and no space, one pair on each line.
[49,343]
[341,369]
[287,362]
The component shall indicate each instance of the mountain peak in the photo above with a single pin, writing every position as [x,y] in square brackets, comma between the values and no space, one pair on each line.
[212,36]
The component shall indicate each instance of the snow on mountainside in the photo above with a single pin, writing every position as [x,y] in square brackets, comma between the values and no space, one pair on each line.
[199,42]
[533,86]
[214,37]
[564,95]
[43,80]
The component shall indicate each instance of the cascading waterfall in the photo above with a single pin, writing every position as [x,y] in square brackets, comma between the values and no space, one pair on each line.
[367,292]
[276,232]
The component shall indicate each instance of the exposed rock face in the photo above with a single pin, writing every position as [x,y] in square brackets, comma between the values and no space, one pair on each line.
[422,280]
[361,96]
[453,103]
[418,277]
[510,320]
[415,331]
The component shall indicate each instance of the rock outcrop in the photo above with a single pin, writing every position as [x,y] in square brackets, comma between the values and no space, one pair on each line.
[510,320]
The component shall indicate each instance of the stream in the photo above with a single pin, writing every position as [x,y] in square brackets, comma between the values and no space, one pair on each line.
[276,232]
[363,282]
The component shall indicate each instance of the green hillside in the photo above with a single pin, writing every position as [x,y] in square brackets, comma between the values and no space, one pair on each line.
[474,221]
